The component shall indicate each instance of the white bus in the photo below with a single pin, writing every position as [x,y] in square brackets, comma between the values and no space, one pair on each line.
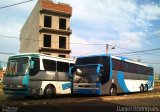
[108,74]
[37,74]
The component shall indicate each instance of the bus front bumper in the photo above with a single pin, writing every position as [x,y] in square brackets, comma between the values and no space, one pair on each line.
[22,91]
[88,91]
[9,91]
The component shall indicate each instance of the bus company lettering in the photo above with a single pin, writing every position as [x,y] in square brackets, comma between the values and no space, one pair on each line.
[137,109]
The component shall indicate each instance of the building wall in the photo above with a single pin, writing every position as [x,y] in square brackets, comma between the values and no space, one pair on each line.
[32,39]
[30,33]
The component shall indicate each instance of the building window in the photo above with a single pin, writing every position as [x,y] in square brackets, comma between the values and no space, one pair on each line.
[47,21]
[62,23]
[63,56]
[47,41]
[62,42]
[46,53]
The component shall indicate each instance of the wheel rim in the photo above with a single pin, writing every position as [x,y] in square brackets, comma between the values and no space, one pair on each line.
[49,92]
[146,87]
[141,88]
[113,91]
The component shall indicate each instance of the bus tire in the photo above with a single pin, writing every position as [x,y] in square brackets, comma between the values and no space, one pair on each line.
[146,87]
[50,91]
[29,97]
[142,88]
[113,90]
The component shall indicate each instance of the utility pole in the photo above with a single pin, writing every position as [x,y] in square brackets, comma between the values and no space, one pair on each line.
[107,46]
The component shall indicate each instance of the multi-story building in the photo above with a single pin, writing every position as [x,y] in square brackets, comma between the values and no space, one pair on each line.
[47,29]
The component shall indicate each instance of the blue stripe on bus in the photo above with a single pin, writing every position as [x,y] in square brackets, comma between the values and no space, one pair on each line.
[25,80]
[87,91]
[121,81]
[150,82]
[150,85]
[110,68]
[66,86]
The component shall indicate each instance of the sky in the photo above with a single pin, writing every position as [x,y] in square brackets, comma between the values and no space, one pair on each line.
[126,25]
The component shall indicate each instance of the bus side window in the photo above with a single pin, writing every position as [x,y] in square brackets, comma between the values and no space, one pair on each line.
[122,66]
[126,68]
[143,70]
[150,71]
[138,69]
[36,67]
[49,65]
[62,67]
[113,64]
[118,65]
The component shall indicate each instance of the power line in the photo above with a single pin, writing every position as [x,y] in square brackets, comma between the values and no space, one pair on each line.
[7,53]
[15,4]
[133,51]
[127,40]
[90,52]
[147,37]
[5,36]
[9,37]
[143,51]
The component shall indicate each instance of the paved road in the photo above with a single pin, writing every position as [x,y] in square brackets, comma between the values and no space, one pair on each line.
[145,102]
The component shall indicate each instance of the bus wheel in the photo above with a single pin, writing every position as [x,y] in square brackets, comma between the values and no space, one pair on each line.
[29,97]
[113,90]
[49,91]
[142,88]
[146,87]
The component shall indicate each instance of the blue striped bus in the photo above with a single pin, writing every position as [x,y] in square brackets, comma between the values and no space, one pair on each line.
[108,74]
[37,74]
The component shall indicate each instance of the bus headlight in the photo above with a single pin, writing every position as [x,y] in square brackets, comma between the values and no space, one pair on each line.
[75,85]
[93,86]
[19,86]
[4,86]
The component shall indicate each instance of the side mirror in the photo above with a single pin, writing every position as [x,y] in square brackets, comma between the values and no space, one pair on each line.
[100,70]
[31,64]
[71,71]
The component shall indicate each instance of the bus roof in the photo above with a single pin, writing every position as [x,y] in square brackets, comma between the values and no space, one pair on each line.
[24,55]
[37,55]
[109,55]
[119,58]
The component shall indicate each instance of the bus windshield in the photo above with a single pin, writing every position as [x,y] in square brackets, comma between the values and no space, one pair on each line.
[86,74]
[17,66]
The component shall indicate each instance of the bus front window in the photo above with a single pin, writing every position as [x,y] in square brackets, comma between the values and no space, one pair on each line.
[86,74]
[17,66]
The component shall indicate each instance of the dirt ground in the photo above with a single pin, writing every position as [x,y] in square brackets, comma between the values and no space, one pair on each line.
[133,102]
